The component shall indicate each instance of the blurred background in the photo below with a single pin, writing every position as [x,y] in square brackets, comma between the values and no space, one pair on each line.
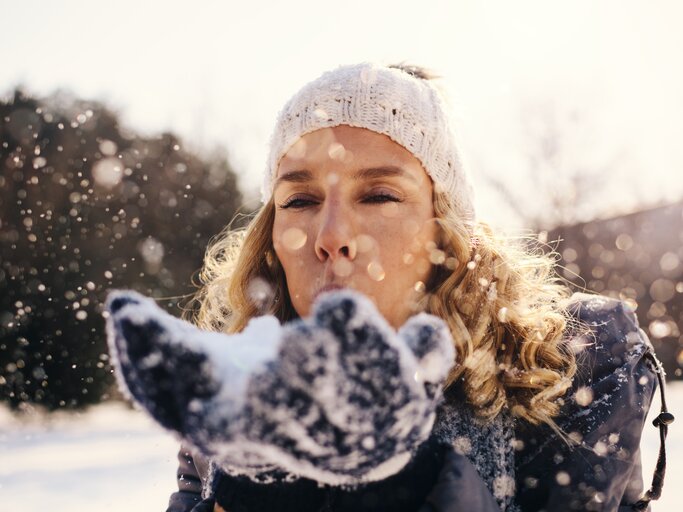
[133,132]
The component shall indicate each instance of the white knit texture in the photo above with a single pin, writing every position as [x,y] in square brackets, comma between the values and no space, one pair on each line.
[409,110]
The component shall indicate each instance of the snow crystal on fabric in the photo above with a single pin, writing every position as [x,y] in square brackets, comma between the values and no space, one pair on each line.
[488,445]
[340,397]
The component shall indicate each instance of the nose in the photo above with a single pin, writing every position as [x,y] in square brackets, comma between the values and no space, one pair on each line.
[336,234]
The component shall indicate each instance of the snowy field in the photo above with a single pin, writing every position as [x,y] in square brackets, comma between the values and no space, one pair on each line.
[115,459]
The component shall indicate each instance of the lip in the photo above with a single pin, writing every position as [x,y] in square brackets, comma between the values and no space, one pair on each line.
[327,288]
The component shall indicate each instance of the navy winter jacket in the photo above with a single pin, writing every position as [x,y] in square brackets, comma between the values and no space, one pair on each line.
[603,414]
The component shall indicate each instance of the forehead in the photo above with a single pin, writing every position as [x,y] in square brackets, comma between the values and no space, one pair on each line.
[345,148]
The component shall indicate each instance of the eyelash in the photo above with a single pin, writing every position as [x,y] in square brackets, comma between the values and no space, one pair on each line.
[381,197]
[295,202]
[378,198]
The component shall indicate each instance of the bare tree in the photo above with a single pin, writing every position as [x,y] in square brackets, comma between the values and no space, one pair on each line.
[565,182]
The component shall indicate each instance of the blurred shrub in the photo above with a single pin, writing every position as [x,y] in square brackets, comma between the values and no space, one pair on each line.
[86,206]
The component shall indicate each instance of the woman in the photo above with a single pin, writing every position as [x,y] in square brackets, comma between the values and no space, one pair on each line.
[542,406]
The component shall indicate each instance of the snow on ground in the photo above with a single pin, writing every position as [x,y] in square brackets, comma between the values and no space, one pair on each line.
[112,458]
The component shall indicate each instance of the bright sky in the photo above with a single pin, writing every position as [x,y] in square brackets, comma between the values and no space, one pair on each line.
[216,72]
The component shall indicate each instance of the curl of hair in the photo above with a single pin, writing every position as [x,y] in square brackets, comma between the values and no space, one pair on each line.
[242,278]
[506,310]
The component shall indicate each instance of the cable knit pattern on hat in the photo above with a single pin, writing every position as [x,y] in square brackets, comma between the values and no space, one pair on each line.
[409,110]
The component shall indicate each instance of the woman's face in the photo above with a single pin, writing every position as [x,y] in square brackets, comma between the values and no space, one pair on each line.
[354,209]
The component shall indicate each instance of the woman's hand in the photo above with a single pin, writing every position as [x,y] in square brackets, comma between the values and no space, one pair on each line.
[339,397]
[348,398]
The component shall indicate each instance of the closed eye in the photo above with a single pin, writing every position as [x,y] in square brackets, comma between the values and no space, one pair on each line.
[297,202]
[381,197]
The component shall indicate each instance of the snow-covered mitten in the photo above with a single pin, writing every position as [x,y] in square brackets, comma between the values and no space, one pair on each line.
[347,399]
[339,397]
[192,382]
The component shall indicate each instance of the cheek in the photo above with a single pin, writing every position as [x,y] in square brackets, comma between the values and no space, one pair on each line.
[290,249]
[284,256]
[430,243]
[279,252]
[408,248]
[288,259]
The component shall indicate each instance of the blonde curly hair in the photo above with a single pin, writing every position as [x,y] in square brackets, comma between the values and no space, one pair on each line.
[507,311]
[503,303]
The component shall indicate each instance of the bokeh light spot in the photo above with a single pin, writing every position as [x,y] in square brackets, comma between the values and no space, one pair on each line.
[375,271]
[294,239]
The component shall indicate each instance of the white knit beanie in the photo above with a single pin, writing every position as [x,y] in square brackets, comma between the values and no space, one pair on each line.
[409,110]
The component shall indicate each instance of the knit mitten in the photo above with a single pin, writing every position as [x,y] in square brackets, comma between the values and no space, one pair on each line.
[339,397]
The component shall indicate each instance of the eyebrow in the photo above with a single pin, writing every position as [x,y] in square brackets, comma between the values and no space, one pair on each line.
[388,171]
[301,176]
